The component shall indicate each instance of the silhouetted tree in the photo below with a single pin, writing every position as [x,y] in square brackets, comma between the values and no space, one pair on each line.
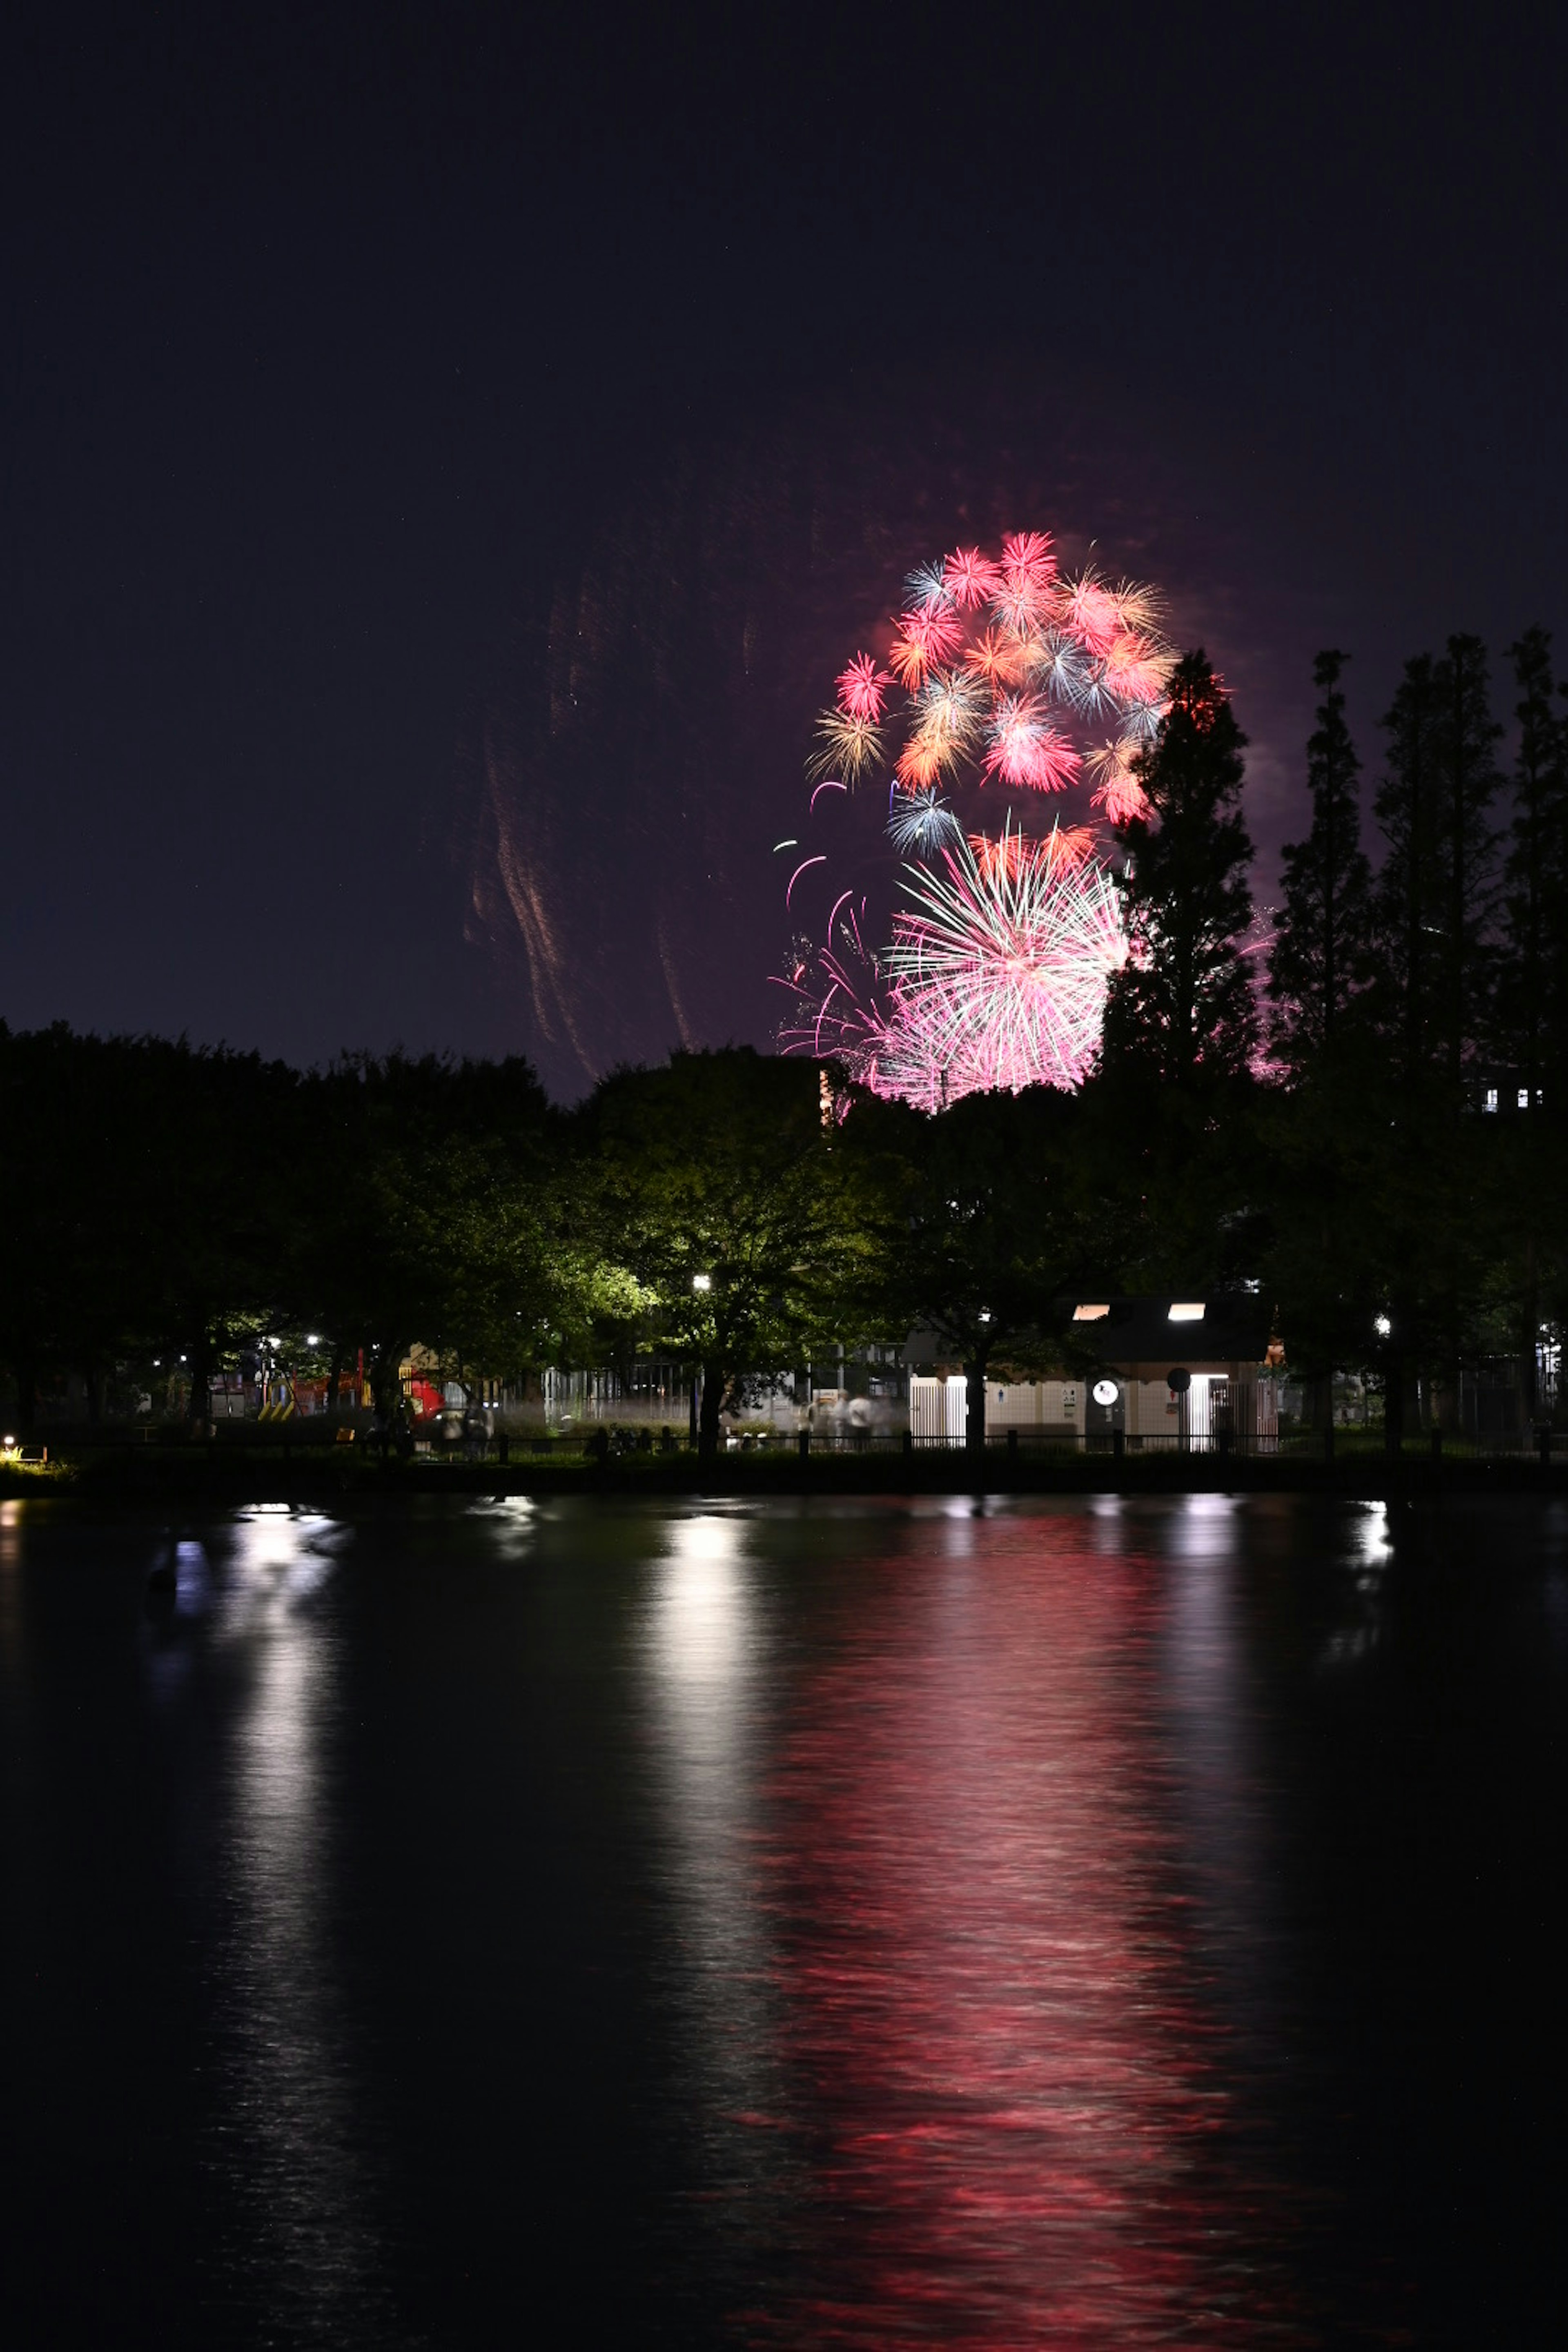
[996,1209]
[1182,1004]
[1467,735]
[1407,909]
[1319,963]
[1532,1000]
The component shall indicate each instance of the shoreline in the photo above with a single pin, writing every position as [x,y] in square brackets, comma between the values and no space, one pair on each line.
[232,1478]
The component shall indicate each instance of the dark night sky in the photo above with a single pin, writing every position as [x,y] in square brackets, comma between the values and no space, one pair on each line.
[427,431]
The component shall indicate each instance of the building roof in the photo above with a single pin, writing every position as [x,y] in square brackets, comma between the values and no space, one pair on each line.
[1227,1327]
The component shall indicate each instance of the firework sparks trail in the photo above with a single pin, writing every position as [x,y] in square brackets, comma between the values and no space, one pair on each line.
[1001,955]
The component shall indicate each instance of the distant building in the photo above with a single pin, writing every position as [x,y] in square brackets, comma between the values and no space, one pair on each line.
[1193,1370]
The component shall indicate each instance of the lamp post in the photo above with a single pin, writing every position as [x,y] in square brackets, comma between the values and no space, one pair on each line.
[700,1284]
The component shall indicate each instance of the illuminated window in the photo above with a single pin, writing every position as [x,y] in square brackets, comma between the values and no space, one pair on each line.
[1491,1103]
[1524,1098]
[1090,1314]
[1186,1310]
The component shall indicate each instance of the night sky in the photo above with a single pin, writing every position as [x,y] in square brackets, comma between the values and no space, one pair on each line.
[447,454]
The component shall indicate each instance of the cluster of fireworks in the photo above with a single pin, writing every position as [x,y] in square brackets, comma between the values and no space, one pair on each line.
[1002,672]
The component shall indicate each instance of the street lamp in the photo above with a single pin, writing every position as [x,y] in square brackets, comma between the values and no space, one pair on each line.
[702,1282]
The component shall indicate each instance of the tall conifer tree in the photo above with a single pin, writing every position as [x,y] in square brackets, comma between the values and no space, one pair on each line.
[1466,743]
[1532,1007]
[1182,1003]
[1320,960]
[1436,893]
[1406,913]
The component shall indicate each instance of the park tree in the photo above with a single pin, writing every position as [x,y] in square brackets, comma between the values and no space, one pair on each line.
[998,1225]
[1436,896]
[721,1185]
[430,1218]
[143,1194]
[1532,995]
[1319,960]
[1181,1009]
[1531,1003]
[1466,742]
[1407,917]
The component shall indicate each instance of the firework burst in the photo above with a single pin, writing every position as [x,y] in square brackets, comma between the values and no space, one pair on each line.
[846,746]
[920,821]
[1004,944]
[862,689]
[999,970]
[1025,749]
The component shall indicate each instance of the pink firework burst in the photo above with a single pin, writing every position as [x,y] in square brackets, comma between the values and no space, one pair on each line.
[1116,792]
[1136,670]
[926,640]
[1093,612]
[1023,597]
[969,578]
[863,688]
[1025,749]
[1028,555]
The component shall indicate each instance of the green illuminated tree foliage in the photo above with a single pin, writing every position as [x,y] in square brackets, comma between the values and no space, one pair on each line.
[728,1171]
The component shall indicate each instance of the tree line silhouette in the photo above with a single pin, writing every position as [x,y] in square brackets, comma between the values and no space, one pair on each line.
[1361,1109]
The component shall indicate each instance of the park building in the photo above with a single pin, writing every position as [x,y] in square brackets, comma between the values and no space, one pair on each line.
[1158,1370]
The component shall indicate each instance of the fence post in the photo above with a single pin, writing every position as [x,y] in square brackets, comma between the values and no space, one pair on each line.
[1543,1443]
[1011,1448]
[908,1441]
[1437,1445]
[1118,1445]
[1329,1440]
[804,1442]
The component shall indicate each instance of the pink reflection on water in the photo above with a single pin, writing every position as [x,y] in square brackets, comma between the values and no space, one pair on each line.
[1010,2097]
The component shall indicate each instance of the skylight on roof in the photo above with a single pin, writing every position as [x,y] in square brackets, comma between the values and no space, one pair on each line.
[1186,1310]
[1090,1314]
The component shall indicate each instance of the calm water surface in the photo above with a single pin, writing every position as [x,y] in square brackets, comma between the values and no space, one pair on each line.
[1090,1923]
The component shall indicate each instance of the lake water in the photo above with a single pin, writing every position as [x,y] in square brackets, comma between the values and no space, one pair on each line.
[1084,1923]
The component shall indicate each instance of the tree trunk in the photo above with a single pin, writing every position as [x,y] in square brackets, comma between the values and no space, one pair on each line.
[201,1352]
[708,1421]
[384,1385]
[1394,1406]
[974,1408]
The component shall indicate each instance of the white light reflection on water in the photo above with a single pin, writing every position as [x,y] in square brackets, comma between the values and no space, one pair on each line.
[1370,1546]
[512,1521]
[703,1648]
[291,2144]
